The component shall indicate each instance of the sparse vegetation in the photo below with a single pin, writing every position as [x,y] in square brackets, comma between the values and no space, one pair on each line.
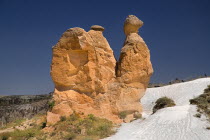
[70,136]
[198,115]
[63,118]
[203,102]
[21,134]
[13,123]
[207,90]
[208,128]
[5,137]
[163,102]
[51,104]
[44,124]
[74,127]
[123,114]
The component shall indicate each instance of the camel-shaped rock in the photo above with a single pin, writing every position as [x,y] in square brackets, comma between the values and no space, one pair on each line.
[88,80]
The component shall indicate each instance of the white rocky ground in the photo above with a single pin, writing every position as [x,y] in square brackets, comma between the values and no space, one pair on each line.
[172,123]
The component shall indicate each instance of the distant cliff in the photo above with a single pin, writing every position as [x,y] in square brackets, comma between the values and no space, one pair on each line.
[22,106]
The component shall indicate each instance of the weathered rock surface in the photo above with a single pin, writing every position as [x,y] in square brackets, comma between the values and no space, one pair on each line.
[87,79]
[97,28]
[82,61]
[132,24]
[134,68]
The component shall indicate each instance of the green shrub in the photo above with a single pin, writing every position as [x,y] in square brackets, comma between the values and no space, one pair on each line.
[51,104]
[31,134]
[163,102]
[44,124]
[63,118]
[101,128]
[207,90]
[91,117]
[74,116]
[123,114]
[198,115]
[4,137]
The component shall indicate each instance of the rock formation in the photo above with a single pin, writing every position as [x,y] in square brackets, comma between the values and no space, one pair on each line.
[89,81]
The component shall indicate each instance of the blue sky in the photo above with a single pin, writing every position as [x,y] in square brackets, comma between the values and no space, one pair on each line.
[177,33]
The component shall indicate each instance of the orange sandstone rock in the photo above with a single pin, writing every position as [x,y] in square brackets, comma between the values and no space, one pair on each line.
[87,79]
[52,118]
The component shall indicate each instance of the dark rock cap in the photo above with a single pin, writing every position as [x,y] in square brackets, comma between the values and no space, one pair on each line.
[132,24]
[97,28]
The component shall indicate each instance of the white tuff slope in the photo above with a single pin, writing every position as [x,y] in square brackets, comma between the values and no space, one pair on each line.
[172,123]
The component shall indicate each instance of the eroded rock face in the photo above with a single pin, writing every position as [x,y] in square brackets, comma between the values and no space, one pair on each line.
[87,79]
[83,62]
[134,67]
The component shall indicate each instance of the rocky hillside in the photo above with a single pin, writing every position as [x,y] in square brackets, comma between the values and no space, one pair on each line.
[22,106]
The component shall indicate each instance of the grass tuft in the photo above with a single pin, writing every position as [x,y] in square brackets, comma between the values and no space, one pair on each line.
[163,102]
